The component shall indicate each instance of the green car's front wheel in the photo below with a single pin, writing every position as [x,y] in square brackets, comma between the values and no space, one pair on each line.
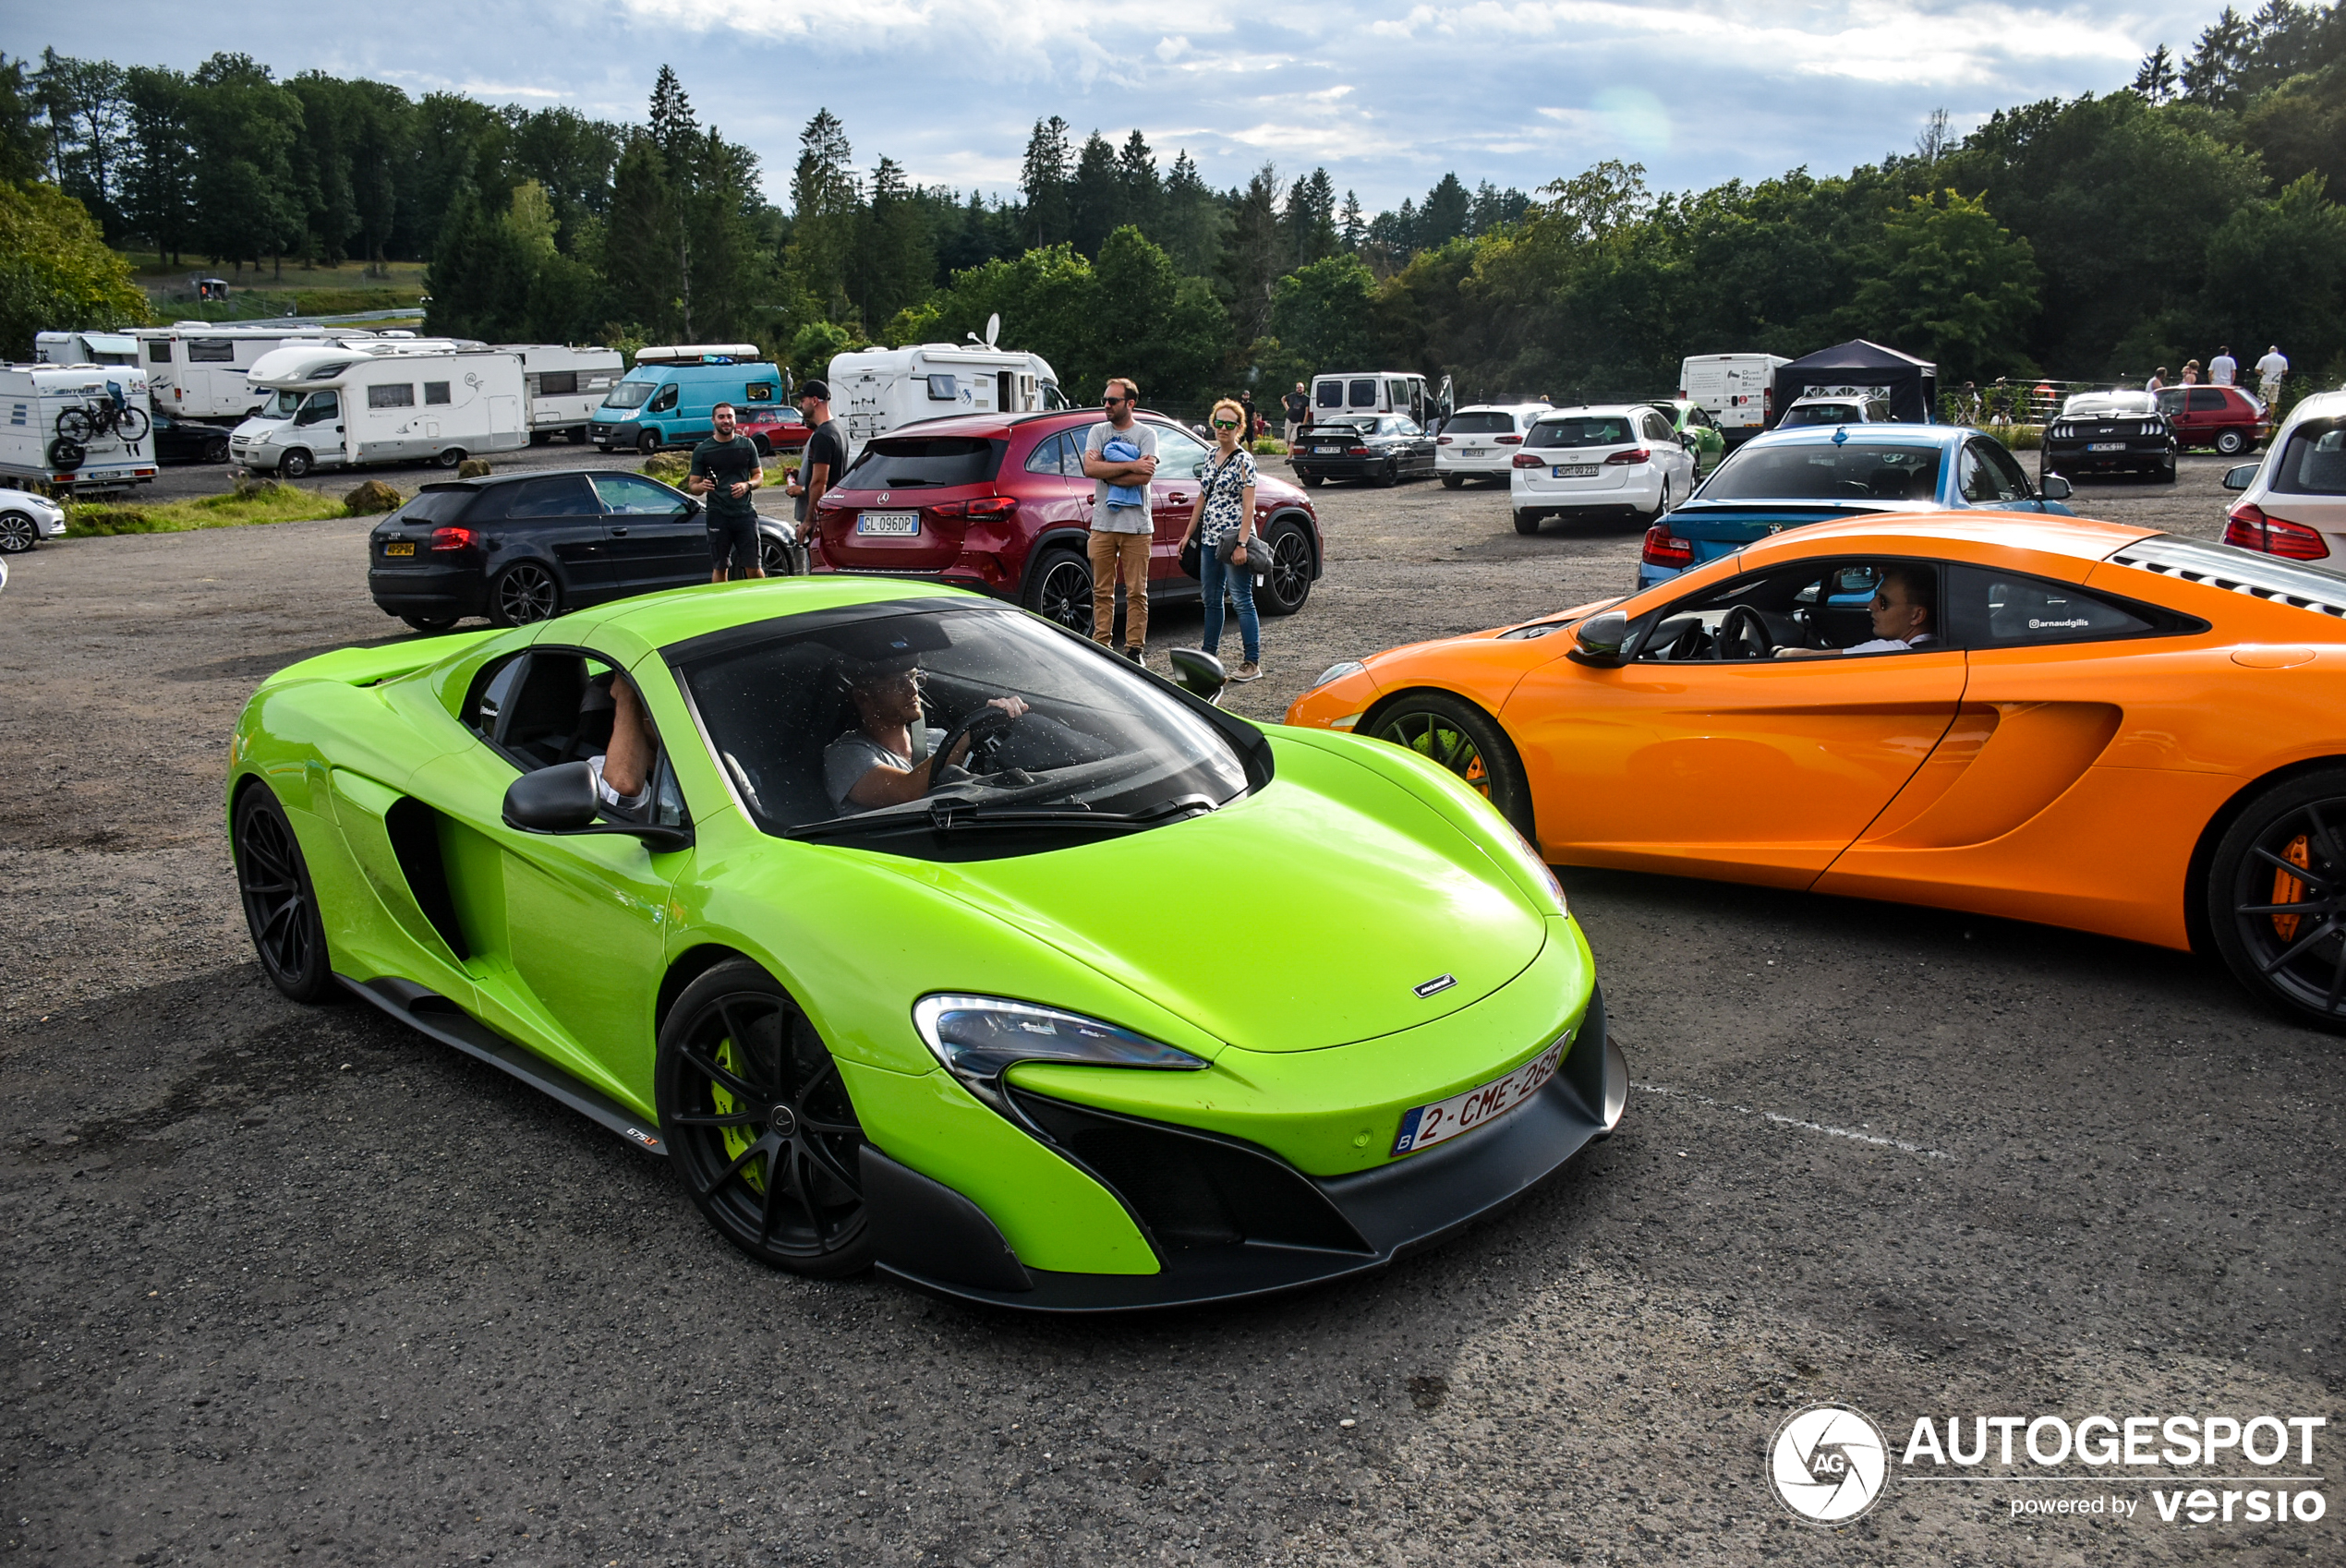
[759,1126]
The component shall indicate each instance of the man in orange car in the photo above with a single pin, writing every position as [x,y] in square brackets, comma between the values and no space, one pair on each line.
[1902,612]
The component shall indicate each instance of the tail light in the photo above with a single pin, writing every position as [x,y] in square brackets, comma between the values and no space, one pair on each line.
[1635,455]
[1767,401]
[1358,451]
[453,538]
[1664,547]
[2249,527]
[1440,441]
[1530,460]
[983,507]
[1510,441]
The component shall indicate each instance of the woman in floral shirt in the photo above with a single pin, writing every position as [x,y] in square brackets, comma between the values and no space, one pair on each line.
[1225,507]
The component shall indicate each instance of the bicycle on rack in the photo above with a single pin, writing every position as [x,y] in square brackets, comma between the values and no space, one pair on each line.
[81,426]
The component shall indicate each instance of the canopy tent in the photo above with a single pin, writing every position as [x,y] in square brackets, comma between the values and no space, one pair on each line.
[1911,384]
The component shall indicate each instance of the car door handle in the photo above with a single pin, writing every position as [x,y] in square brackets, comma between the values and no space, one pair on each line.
[619,532]
[1176,498]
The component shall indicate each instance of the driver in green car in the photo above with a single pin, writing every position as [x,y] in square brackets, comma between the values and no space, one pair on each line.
[887,760]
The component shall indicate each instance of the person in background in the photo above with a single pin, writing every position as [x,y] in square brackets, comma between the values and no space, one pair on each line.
[2158,381]
[1225,506]
[2269,370]
[2191,372]
[1246,400]
[1298,412]
[725,469]
[2222,370]
[1120,531]
[824,459]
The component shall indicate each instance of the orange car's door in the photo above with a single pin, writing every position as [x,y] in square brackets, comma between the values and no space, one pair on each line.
[1757,770]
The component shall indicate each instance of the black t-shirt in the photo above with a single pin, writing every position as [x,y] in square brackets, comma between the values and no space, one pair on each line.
[729,463]
[825,445]
[1299,409]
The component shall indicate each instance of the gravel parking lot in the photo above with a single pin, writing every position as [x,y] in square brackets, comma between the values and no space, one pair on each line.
[298,1286]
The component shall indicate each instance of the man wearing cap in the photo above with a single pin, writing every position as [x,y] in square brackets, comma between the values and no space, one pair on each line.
[824,458]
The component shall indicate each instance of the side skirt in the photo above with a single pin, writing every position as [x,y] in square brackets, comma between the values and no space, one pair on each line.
[435,1015]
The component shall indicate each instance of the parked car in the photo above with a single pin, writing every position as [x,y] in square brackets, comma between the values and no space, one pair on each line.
[773,429]
[2295,500]
[1824,409]
[2227,418]
[27,517]
[666,399]
[2111,432]
[1382,449]
[999,503]
[518,548]
[1613,458]
[1809,474]
[1478,442]
[184,440]
[1696,430]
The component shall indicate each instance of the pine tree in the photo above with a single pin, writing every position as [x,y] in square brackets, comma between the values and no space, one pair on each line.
[1351,228]
[1143,196]
[2156,79]
[2216,70]
[1093,197]
[1444,216]
[1044,177]
[639,249]
[1193,220]
[673,128]
[823,197]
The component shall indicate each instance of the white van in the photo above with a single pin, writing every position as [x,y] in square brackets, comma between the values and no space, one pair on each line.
[566,385]
[32,396]
[1378,391]
[1738,391]
[881,390]
[342,407]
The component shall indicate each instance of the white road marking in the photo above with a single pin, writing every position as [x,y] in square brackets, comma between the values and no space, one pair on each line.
[1898,1143]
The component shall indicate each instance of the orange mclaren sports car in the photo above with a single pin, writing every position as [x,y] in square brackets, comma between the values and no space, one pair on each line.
[2065,721]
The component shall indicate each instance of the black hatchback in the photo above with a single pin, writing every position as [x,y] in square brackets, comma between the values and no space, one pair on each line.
[519,548]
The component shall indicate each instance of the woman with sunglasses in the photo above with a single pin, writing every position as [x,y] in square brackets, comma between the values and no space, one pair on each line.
[1225,512]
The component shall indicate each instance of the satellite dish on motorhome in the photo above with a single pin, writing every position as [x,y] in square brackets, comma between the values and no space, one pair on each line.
[993,328]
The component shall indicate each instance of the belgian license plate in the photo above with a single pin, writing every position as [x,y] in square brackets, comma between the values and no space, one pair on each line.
[1446,1119]
[2105,446]
[400,547]
[1576,470]
[889,523]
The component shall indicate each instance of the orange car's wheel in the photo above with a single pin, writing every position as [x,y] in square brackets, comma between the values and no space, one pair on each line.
[2276,898]
[1465,739]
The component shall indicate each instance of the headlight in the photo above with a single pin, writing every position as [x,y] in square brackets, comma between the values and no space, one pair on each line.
[978,1038]
[1337,672]
[1528,858]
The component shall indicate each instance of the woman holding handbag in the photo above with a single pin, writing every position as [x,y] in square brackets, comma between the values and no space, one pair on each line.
[1222,525]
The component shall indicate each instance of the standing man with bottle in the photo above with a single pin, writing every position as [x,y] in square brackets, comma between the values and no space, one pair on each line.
[1119,458]
[822,461]
[726,470]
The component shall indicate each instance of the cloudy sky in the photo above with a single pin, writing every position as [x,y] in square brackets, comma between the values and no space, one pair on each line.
[1387,96]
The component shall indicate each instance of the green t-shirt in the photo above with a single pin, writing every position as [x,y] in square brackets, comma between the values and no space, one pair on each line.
[729,463]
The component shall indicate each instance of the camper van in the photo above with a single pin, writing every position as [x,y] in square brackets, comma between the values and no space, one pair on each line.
[85,348]
[879,390]
[1738,391]
[32,447]
[566,385]
[342,406]
[197,368]
[1379,392]
[666,399]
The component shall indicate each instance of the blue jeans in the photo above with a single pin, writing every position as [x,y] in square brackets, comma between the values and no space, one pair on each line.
[1217,574]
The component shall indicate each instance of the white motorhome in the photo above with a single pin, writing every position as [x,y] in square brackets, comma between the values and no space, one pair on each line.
[565,385]
[344,406]
[32,396]
[199,369]
[881,390]
[85,347]
[1738,391]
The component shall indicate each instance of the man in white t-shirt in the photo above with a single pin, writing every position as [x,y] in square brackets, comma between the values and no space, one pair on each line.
[1903,613]
[2223,370]
[2269,370]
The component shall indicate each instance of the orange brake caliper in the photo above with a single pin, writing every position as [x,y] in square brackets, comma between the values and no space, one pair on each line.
[2288,889]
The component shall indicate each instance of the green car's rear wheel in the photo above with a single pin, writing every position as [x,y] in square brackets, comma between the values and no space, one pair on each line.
[281,908]
[1465,739]
[759,1126]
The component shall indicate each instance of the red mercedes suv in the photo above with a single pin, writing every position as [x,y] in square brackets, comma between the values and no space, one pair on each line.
[1000,504]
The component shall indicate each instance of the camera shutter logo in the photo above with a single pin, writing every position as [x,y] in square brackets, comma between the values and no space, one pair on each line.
[1827,1463]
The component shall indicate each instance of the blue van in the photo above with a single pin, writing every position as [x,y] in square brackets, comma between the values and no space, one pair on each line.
[666,399]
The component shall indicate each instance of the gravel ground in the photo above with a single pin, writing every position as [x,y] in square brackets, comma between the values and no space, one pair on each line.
[296,1285]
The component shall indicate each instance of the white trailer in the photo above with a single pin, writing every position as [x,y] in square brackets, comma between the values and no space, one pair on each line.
[347,406]
[881,390]
[1738,391]
[565,385]
[31,398]
[85,347]
[197,368]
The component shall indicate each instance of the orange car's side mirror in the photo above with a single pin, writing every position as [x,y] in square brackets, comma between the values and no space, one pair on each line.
[1599,638]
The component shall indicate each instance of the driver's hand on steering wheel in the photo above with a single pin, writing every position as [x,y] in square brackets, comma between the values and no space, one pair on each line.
[1013,706]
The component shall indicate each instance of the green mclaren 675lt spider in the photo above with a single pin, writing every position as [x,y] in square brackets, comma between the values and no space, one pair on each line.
[915,932]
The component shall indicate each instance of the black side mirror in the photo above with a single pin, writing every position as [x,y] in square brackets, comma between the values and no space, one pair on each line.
[2054,487]
[561,799]
[1199,673]
[1600,637]
[2241,478]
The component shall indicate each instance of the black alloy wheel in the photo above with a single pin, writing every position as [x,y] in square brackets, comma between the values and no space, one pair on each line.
[775,557]
[281,908]
[18,533]
[2276,898]
[759,1124]
[1462,738]
[1061,591]
[216,450]
[429,625]
[525,592]
[293,465]
[1390,476]
[1288,583]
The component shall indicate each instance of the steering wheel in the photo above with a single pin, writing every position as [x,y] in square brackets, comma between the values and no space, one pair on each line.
[980,728]
[1743,635]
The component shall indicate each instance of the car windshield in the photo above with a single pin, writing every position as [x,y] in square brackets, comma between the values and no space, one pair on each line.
[1484,424]
[907,463]
[1581,430]
[628,394]
[1827,471]
[800,717]
[2110,402]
